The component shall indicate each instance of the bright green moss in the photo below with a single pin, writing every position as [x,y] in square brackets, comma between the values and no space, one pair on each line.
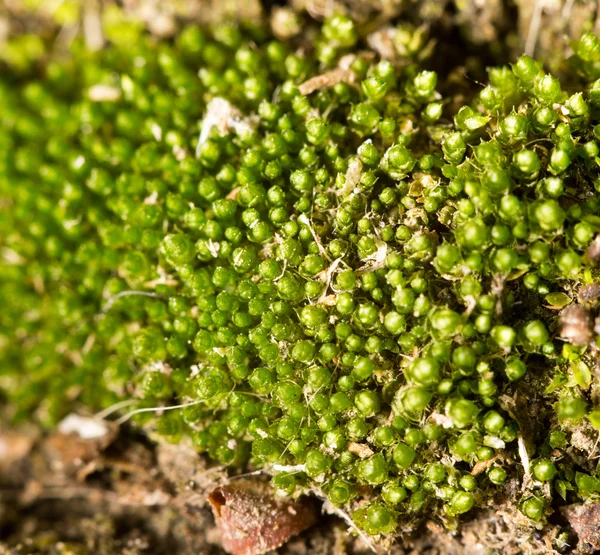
[329,291]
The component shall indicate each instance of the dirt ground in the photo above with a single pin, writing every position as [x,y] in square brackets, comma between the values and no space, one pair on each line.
[123,494]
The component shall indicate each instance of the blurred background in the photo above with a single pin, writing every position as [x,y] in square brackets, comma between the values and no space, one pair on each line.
[497,30]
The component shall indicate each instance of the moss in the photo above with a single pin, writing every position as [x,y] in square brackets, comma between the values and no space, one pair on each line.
[302,271]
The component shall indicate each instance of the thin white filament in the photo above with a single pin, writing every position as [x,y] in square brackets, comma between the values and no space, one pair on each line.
[116,297]
[127,416]
[114,408]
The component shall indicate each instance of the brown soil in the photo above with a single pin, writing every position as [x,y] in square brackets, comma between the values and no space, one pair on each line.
[122,494]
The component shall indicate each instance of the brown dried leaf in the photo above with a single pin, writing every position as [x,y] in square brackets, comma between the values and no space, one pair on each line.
[252,521]
[481,466]
[360,449]
[328,79]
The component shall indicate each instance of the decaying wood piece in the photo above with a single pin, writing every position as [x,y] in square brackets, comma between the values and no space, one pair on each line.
[252,521]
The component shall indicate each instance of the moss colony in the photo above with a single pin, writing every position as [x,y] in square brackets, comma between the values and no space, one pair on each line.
[345,282]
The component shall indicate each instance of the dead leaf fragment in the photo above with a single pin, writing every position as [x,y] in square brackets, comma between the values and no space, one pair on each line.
[223,115]
[352,177]
[252,521]
[482,466]
[360,449]
[328,79]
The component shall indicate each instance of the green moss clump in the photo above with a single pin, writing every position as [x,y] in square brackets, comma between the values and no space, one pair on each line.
[331,273]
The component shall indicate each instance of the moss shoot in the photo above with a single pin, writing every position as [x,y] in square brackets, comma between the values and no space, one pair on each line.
[345,281]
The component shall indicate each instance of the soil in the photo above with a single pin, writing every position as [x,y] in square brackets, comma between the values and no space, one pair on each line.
[124,494]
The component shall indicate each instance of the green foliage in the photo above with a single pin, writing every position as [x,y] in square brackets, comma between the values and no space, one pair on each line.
[350,281]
